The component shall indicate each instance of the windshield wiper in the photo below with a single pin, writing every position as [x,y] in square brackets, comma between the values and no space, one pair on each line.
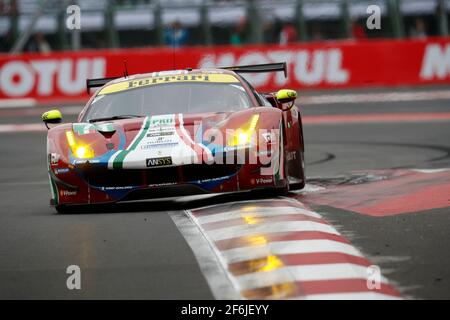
[125,116]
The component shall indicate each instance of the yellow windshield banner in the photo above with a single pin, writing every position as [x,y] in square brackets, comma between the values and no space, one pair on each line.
[199,77]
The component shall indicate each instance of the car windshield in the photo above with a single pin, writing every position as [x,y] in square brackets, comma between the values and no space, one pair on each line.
[165,98]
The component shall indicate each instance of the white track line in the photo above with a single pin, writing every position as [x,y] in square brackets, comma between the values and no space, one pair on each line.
[17,103]
[288,247]
[375,97]
[28,127]
[28,183]
[216,276]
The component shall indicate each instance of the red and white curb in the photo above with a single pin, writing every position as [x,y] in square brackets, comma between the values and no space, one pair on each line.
[280,249]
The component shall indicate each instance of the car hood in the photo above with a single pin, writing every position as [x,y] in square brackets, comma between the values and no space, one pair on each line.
[157,141]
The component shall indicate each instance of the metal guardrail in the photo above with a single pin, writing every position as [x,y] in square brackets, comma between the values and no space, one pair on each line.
[113,16]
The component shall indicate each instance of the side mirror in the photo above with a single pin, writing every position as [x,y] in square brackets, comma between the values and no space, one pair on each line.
[52,116]
[286,95]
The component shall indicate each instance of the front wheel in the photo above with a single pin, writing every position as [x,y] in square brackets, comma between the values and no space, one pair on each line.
[300,185]
[63,209]
[282,167]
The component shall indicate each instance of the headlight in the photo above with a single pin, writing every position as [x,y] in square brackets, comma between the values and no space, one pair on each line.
[244,136]
[80,151]
[84,152]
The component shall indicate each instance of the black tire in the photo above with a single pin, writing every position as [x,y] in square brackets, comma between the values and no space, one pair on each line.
[301,185]
[281,191]
[79,208]
[62,209]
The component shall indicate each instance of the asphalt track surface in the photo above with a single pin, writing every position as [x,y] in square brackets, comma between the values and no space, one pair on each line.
[137,251]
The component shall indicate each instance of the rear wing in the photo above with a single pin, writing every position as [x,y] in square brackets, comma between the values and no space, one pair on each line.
[256,68]
[99,82]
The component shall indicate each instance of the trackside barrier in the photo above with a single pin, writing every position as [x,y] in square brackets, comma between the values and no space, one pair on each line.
[61,76]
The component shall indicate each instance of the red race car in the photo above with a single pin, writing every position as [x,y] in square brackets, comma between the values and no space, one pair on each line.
[175,133]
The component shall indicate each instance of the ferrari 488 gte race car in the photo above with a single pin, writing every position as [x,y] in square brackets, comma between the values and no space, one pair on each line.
[175,133]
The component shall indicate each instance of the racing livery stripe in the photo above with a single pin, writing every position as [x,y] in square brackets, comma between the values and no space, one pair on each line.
[280,167]
[181,131]
[118,160]
[54,190]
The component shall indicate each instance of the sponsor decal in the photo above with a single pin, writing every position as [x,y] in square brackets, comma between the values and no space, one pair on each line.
[160,134]
[264,181]
[117,188]
[162,121]
[159,145]
[159,162]
[215,179]
[54,158]
[61,170]
[436,62]
[49,77]
[81,161]
[310,67]
[162,184]
[58,77]
[291,155]
[68,193]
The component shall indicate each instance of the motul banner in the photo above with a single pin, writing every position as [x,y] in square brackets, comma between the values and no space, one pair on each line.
[61,76]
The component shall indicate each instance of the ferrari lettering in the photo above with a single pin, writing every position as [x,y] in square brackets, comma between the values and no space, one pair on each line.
[150,81]
[156,80]
[158,162]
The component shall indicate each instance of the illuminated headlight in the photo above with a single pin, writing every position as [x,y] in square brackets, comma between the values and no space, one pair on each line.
[244,136]
[80,151]
[84,152]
